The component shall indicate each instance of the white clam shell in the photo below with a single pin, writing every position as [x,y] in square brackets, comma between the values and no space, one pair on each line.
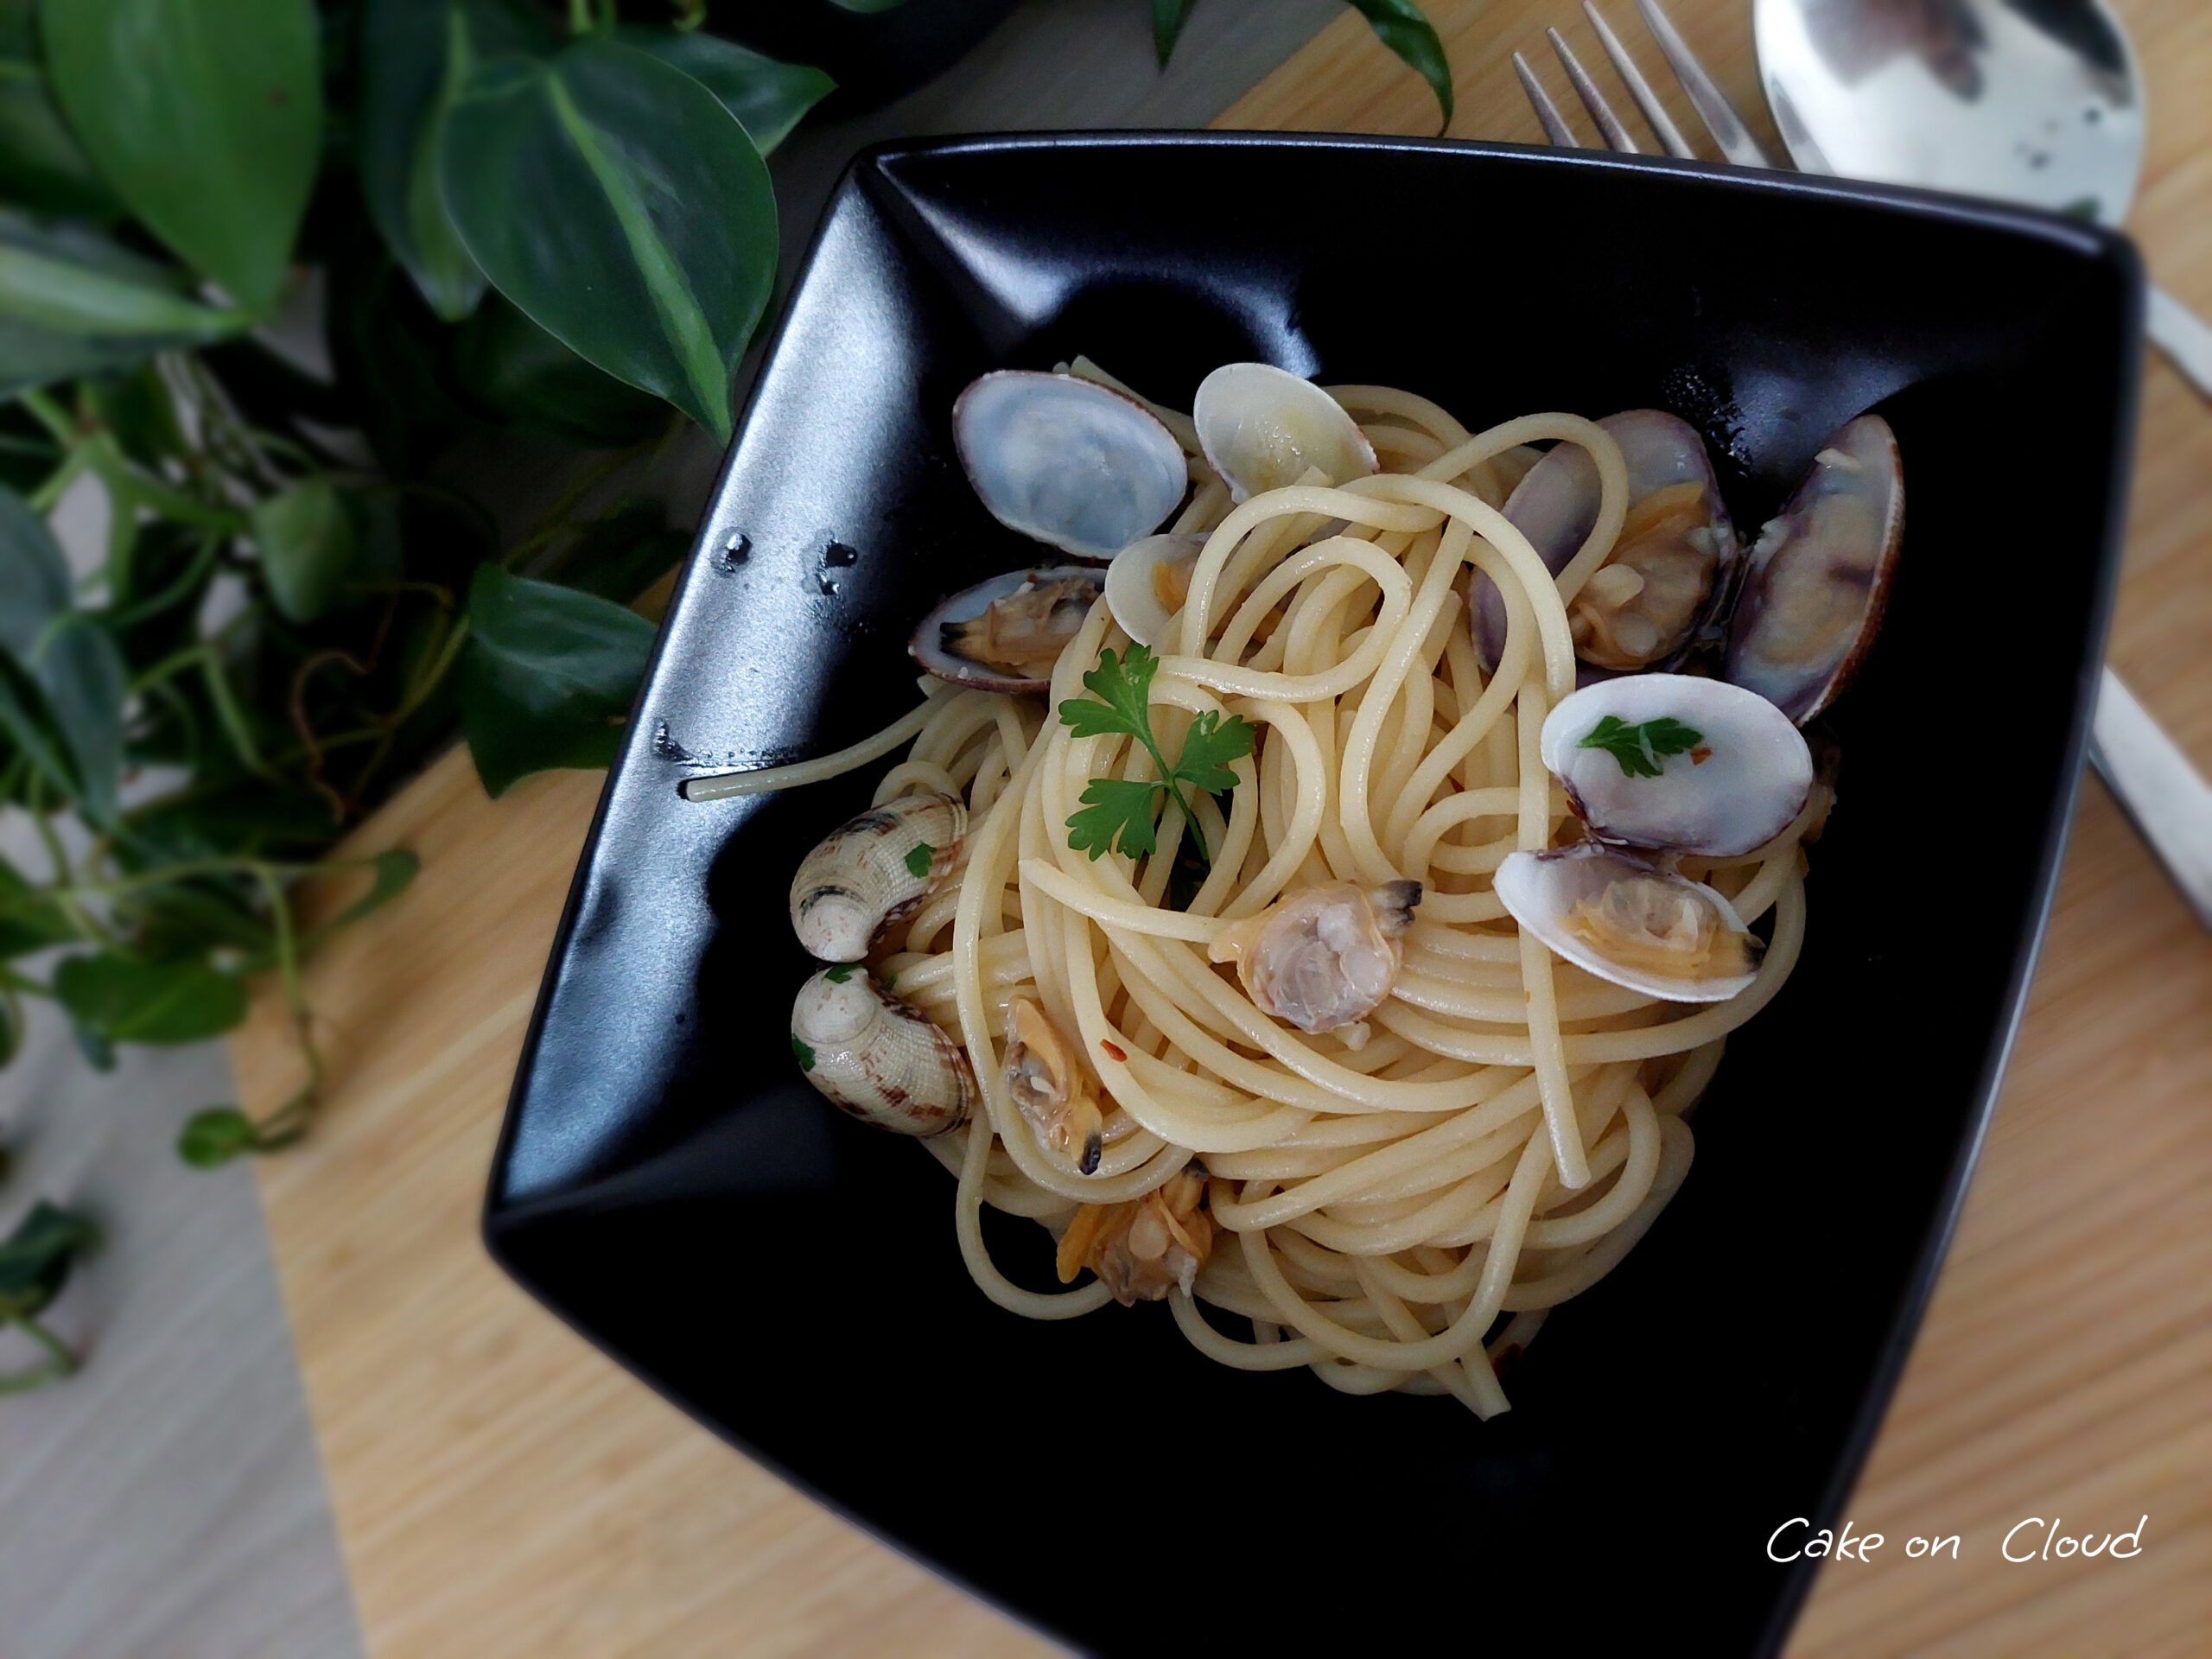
[1819,573]
[1555,503]
[1741,785]
[1131,594]
[877,1058]
[926,645]
[1262,427]
[872,869]
[1067,461]
[1323,958]
[1540,889]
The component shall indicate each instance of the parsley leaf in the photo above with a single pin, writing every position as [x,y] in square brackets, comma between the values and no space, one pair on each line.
[1116,810]
[1640,749]
[1118,814]
[918,861]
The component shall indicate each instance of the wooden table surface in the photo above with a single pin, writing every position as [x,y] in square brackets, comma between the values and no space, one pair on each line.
[501,1488]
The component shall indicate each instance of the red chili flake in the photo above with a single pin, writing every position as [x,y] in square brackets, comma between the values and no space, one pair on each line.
[1114,1050]
[1701,754]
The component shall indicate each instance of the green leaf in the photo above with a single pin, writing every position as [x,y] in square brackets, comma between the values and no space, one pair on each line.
[212,1137]
[119,999]
[36,1258]
[803,1054]
[841,973]
[767,96]
[43,166]
[1405,28]
[548,677]
[1124,692]
[920,859]
[72,659]
[522,374]
[72,303]
[205,115]
[1115,811]
[415,56]
[306,543]
[1168,17]
[1208,748]
[1640,749]
[649,245]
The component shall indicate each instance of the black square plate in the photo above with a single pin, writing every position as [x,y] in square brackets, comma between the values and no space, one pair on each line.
[669,1184]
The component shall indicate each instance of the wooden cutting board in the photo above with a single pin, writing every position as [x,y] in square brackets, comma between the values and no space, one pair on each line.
[501,1488]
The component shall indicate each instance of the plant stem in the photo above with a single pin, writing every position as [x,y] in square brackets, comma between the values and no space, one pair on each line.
[60,1361]
[51,415]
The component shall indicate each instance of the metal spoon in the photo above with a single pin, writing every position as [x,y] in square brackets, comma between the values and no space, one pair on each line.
[2037,101]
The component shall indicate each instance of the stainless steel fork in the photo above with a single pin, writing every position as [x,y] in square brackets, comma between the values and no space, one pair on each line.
[2161,793]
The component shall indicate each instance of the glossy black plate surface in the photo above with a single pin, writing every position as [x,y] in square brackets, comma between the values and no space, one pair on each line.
[669,1184]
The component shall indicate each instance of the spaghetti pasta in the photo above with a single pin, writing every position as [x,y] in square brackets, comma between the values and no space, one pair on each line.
[1397,1203]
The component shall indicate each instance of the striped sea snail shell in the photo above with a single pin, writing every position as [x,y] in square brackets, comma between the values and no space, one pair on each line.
[873,870]
[877,1058]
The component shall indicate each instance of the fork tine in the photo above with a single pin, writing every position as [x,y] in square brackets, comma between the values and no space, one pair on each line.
[1713,108]
[1617,135]
[1555,125]
[1670,136]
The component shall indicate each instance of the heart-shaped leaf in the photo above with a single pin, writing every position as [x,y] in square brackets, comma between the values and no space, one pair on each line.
[415,56]
[615,201]
[548,677]
[205,115]
[71,302]
[43,166]
[767,96]
[70,658]
[1404,27]
[119,999]
[35,1258]
[306,543]
[214,1135]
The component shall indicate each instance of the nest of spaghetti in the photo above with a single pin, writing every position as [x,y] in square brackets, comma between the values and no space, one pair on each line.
[1260,906]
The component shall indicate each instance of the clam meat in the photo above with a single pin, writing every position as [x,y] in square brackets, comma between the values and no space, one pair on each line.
[1262,426]
[1148,582]
[1049,1086]
[873,869]
[1820,575]
[1671,567]
[1143,1248]
[1677,762]
[1067,461]
[1630,923]
[1322,958]
[877,1058]
[1005,634]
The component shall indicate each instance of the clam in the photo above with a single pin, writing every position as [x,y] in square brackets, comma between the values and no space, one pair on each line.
[1148,581]
[1678,762]
[1671,568]
[1630,923]
[1262,427]
[1005,634]
[1067,461]
[1049,1086]
[1820,575]
[872,870]
[1322,958]
[877,1058]
[1144,1247]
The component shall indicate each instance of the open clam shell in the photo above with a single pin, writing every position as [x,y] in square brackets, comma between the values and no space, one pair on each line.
[1672,567]
[1005,634]
[1630,923]
[1674,761]
[1067,461]
[1820,575]
[1148,582]
[1262,426]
